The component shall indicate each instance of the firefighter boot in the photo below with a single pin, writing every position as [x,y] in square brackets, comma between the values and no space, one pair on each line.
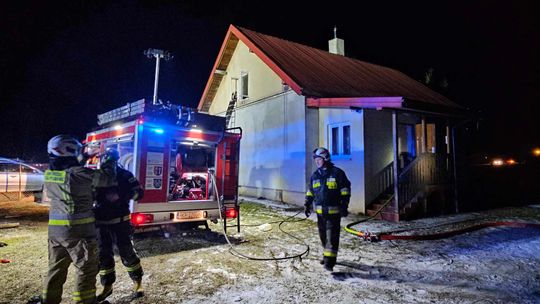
[137,289]
[107,291]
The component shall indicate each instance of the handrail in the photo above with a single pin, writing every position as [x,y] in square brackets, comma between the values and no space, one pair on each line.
[426,169]
[384,179]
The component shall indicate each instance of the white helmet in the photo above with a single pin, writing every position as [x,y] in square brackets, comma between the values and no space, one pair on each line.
[64,146]
[322,153]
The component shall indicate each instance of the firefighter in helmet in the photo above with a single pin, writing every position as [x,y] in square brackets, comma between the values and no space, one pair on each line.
[114,225]
[329,188]
[68,189]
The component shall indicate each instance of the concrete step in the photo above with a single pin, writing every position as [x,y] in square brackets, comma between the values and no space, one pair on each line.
[390,216]
[387,216]
[377,206]
[370,212]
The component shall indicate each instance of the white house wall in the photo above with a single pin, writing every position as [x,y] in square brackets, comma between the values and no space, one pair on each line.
[272,150]
[262,83]
[353,165]
[378,147]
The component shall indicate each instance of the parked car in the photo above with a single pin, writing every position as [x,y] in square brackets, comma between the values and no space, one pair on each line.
[17,176]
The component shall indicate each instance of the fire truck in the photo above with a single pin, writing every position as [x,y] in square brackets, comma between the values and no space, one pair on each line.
[186,161]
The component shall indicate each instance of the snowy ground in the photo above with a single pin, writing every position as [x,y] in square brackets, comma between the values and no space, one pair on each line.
[493,265]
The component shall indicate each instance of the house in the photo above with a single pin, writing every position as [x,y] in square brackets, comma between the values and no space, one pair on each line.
[391,134]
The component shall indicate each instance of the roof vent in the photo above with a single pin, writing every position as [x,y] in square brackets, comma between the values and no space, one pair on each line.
[336,45]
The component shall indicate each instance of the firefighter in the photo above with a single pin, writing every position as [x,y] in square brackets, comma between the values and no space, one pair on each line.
[330,190]
[68,188]
[114,225]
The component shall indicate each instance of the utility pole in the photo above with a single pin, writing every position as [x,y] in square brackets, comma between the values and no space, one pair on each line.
[158,54]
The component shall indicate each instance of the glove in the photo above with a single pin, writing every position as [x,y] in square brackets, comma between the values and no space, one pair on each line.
[307,210]
[344,212]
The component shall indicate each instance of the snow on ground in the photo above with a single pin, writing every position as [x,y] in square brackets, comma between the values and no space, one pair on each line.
[493,265]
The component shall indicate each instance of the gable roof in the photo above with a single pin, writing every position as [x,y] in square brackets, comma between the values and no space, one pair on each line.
[326,79]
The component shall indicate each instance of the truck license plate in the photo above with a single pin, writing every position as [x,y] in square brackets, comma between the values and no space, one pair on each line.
[188,215]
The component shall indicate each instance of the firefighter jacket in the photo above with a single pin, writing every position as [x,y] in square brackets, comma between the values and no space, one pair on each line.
[69,193]
[329,189]
[113,202]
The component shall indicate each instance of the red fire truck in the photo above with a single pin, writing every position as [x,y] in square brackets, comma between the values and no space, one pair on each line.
[187,162]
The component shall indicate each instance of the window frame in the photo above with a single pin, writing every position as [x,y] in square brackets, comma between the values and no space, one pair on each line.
[340,139]
[244,85]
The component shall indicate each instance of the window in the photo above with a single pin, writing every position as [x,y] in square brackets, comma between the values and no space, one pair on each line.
[339,139]
[244,83]
[25,169]
[430,144]
[12,168]
[407,139]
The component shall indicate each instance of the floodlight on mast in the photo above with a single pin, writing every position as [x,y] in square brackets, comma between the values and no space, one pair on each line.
[158,54]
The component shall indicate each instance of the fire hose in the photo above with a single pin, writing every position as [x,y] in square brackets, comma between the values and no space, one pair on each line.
[386,236]
[236,253]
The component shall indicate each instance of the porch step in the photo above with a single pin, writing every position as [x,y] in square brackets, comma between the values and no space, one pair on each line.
[387,216]
[389,213]
[413,210]
[377,206]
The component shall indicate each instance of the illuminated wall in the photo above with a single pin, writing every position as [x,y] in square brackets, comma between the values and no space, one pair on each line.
[263,82]
[273,148]
[354,164]
[378,148]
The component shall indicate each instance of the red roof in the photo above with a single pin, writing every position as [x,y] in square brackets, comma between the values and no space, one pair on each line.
[320,75]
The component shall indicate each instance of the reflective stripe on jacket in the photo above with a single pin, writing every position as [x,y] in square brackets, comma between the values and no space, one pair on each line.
[329,189]
[70,195]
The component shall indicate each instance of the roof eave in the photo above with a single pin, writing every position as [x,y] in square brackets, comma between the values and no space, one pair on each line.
[214,68]
[356,102]
[234,31]
[453,110]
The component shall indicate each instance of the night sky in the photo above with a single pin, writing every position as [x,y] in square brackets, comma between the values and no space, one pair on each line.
[62,64]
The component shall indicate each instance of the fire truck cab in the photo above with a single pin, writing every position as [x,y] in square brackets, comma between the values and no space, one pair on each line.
[187,162]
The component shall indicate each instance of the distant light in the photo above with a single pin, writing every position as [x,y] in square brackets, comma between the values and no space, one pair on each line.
[141,121]
[511,162]
[497,162]
[159,131]
[536,152]
[117,127]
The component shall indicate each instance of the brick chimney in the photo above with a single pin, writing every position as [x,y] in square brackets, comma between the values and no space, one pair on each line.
[336,45]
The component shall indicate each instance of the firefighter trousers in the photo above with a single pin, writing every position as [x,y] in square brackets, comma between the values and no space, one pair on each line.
[329,229]
[83,254]
[119,235]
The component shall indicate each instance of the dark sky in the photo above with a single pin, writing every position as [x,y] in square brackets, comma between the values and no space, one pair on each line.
[63,63]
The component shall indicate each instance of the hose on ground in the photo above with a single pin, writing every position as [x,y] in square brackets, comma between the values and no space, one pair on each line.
[390,235]
[236,253]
